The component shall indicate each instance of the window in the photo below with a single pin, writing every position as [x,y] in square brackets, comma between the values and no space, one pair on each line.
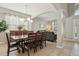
[15,21]
[54,26]
[76,29]
[76,9]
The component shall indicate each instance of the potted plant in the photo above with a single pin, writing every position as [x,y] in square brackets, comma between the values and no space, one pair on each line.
[3,27]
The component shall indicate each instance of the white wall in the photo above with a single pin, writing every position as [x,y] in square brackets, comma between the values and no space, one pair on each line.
[69,26]
[36,24]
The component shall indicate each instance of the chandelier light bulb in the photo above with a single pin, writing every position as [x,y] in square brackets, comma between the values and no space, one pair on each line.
[28,18]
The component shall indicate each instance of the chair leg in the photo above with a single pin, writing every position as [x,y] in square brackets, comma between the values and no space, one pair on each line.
[45,43]
[41,45]
[34,48]
[23,47]
[8,51]
[23,50]
[18,49]
[28,52]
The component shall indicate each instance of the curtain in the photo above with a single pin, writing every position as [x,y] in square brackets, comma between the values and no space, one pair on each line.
[15,21]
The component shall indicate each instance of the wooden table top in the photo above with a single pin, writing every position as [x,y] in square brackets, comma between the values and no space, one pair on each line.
[19,37]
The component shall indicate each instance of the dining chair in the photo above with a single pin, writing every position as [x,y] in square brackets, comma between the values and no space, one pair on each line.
[11,44]
[44,37]
[30,42]
[18,33]
[39,40]
[12,33]
[24,32]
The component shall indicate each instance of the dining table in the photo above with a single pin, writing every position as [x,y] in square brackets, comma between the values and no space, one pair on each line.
[20,39]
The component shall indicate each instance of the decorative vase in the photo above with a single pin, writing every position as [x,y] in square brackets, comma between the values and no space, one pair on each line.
[20,27]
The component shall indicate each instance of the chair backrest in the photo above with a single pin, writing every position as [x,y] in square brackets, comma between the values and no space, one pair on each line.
[32,37]
[44,35]
[12,33]
[38,35]
[24,32]
[8,38]
[15,33]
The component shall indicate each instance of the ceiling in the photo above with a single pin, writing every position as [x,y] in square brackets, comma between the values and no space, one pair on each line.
[14,6]
[42,10]
[36,9]
[48,16]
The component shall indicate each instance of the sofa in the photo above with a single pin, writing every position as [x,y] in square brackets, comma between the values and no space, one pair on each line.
[51,36]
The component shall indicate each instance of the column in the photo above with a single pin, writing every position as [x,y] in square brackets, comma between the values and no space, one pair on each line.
[59,30]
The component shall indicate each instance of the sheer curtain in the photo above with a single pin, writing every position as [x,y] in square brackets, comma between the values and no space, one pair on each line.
[14,21]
